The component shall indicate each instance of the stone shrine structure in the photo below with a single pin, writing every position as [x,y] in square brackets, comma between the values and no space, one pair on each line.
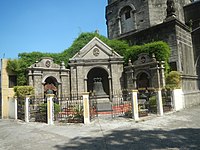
[145,72]
[46,75]
[95,64]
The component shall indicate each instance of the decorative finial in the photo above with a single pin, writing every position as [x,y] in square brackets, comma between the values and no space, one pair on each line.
[62,65]
[129,62]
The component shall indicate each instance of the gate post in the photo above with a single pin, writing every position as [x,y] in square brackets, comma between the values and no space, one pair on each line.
[16,109]
[135,113]
[27,108]
[50,109]
[159,102]
[86,108]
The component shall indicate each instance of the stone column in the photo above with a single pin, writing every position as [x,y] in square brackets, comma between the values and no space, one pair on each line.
[162,73]
[159,94]
[85,85]
[27,108]
[110,87]
[15,99]
[135,112]
[177,98]
[86,108]
[30,78]
[59,94]
[50,109]
[119,24]
[159,102]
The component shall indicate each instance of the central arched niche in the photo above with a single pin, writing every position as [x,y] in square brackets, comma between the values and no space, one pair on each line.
[142,80]
[51,84]
[98,74]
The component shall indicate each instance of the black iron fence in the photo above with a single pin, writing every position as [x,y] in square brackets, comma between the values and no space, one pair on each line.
[20,109]
[38,110]
[121,103]
[93,107]
[147,101]
[68,109]
[167,100]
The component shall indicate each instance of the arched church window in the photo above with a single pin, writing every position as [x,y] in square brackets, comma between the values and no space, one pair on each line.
[127,19]
[128,14]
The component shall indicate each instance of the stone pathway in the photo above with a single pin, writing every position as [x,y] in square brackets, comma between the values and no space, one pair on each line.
[180,130]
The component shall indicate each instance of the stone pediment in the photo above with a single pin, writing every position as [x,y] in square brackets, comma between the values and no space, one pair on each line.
[144,58]
[96,49]
[45,62]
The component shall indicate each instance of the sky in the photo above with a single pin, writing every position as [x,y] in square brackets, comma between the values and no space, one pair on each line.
[47,25]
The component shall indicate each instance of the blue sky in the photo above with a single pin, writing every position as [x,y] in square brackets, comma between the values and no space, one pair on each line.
[47,25]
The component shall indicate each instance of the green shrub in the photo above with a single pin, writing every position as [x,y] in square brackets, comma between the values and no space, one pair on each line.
[173,80]
[152,101]
[22,91]
[43,108]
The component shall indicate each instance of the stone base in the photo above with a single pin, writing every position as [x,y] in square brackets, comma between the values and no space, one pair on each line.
[104,105]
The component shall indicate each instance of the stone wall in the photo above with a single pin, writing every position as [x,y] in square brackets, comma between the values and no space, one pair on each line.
[191,99]
[113,15]
[178,37]
[147,13]
[196,43]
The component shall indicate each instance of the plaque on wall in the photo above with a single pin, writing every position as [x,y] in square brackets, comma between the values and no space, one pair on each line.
[48,63]
[96,52]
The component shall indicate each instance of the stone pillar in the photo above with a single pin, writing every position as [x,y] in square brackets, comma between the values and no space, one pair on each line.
[15,101]
[135,112]
[177,98]
[85,85]
[26,111]
[59,94]
[110,87]
[86,108]
[30,78]
[134,83]
[159,94]
[159,103]
[119,24]
[50,109]
[162,74]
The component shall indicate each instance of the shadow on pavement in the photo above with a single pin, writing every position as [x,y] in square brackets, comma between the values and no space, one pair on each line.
[186,138]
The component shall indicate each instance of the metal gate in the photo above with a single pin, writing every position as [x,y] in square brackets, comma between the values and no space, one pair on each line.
[20,109]
[69,109]
[147,101]
[38,110]
[118,106]
[167,100]
[93,107]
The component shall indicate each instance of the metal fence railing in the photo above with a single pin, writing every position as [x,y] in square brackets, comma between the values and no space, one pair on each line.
[20,109]
[68,109]
[38,110]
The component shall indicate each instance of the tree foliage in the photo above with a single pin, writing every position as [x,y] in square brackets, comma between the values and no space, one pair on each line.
[22,91]
[173,80]
[19,66]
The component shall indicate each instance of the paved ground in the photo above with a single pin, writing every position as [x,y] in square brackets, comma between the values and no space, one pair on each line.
[180,130]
